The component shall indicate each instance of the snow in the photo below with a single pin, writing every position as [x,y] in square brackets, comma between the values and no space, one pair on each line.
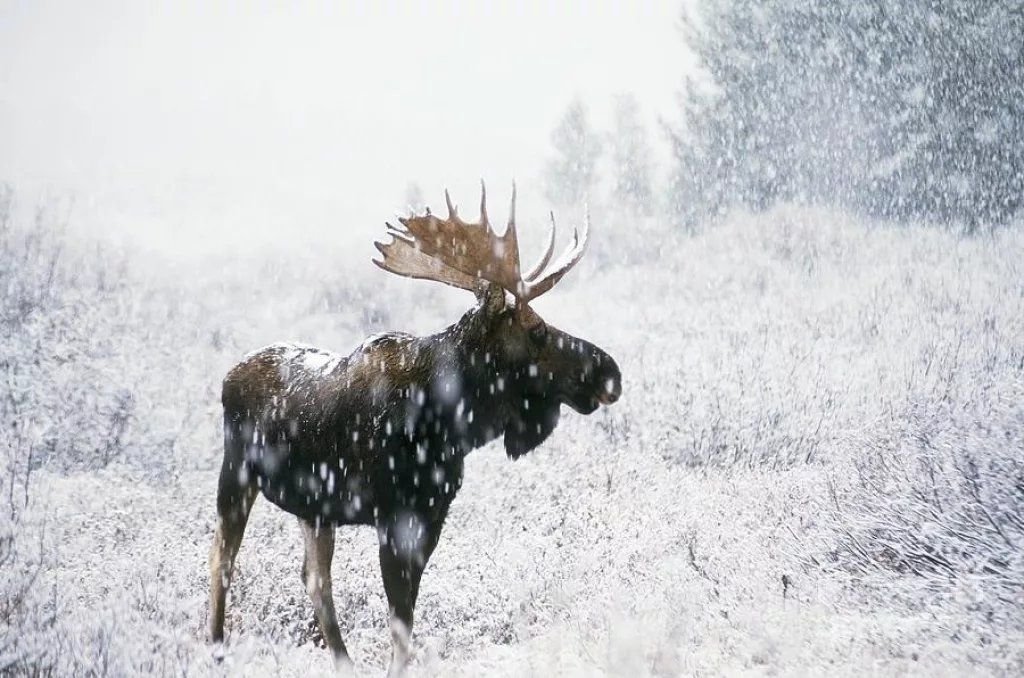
[807,399]
[320,361]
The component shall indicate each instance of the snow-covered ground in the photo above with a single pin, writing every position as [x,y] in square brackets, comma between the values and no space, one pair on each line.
[816,468]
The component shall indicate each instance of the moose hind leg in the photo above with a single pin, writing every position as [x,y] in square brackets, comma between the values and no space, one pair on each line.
[316,576]
[235,496]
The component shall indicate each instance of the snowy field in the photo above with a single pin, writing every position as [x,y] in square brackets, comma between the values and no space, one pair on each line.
[816,468]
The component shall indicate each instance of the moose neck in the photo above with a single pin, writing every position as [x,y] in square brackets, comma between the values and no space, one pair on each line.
[468,390]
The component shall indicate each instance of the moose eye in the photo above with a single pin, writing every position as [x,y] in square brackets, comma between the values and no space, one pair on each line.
[539,332]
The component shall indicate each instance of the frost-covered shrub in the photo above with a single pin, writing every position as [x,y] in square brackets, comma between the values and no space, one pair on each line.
[941,493]
[65,396]
[23,613]
[938,489]
[794,382]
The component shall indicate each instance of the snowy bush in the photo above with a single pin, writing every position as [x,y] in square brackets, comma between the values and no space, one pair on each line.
[816,463]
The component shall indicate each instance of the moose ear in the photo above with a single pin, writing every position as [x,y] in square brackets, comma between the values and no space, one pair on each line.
[490,296]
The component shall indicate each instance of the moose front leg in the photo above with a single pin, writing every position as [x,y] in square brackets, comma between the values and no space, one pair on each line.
[407,541]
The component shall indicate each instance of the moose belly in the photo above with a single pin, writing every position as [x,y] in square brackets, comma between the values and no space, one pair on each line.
[318,493]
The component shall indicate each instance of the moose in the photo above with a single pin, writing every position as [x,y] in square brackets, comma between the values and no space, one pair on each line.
[379,437]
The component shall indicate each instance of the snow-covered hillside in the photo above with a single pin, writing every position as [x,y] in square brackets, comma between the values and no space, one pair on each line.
[816,468]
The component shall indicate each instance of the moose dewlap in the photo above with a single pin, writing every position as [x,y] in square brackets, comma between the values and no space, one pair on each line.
[378,437]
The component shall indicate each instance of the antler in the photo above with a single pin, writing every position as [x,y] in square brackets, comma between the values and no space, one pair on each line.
[458,253]
[548,251]
[564,264]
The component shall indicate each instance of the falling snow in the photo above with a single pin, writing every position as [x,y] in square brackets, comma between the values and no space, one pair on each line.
[815,467]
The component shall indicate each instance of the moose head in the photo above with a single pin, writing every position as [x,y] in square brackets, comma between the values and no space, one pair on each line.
[537,366]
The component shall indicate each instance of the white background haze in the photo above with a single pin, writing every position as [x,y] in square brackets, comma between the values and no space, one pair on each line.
[167,120]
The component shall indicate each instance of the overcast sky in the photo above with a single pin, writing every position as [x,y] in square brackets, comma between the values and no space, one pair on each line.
[247,120]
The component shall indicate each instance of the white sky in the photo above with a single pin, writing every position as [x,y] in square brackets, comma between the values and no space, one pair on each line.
[251,120]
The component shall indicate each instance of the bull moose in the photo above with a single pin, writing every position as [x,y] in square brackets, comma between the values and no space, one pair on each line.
[378,437]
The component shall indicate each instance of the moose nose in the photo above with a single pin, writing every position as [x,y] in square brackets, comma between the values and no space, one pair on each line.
[611,390]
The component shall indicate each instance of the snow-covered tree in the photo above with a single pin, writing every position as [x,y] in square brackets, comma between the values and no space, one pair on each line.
[630,156]
[571,173]
[900,108]
[961,112]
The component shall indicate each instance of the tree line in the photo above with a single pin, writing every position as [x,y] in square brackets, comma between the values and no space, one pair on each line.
[898,109]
